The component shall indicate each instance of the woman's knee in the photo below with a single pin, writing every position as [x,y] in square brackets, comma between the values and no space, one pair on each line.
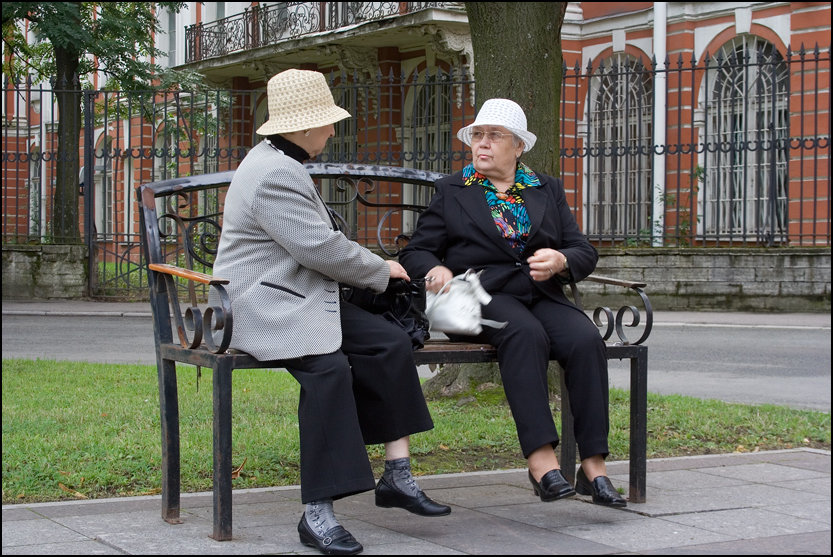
[527,335]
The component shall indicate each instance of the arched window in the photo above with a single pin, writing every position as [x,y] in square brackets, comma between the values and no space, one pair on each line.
[431,124]
[343,147]
[428,136]
[105,207]
[618,193]
[744,190]
[37,215]
[164,167]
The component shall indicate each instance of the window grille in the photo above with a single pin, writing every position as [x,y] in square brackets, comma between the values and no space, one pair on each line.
[35,193]
[747,111]
[620,136]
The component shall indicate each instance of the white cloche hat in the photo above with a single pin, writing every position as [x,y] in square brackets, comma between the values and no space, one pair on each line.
[504,113]
[300,100]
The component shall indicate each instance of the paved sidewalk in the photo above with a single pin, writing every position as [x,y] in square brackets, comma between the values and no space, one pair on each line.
[775,502]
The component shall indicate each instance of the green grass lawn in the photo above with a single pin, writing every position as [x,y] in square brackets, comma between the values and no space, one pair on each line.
[75,430]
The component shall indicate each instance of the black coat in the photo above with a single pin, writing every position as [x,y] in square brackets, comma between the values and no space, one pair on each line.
[457,230]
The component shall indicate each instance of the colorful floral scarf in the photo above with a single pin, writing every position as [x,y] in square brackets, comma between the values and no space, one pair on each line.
[508,209]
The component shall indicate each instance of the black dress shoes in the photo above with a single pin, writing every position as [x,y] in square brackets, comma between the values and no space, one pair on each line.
[388,495]
[335,541]
[601,489]
[553,486]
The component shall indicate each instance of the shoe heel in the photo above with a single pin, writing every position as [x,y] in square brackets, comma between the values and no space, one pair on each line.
[535,489]
[582,489]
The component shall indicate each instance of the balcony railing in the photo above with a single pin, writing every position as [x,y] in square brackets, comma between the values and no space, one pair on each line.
[283,21]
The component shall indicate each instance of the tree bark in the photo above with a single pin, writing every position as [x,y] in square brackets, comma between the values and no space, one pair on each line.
[65,226]
[517,56]
[459,379]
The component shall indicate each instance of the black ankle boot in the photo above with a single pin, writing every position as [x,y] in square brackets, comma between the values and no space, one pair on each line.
[398,488]
[335,541]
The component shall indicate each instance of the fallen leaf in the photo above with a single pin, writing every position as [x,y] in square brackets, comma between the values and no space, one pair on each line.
[236,472]
[72,491]
[153,491]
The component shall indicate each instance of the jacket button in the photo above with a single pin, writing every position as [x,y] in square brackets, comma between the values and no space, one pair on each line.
[518,264]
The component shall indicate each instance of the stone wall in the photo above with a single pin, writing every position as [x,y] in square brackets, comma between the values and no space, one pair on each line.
[726,279]
[693,279]
[44,271]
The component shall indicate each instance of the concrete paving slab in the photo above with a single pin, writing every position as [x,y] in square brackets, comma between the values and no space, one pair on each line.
[643,535]
[747,508]
[818,511]
[84,547]
[796,544]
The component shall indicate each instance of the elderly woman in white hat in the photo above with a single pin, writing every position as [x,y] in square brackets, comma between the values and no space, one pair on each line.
[286,260]
[500,217]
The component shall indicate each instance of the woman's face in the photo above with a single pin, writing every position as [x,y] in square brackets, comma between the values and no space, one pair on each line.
[316,141]
[492,156]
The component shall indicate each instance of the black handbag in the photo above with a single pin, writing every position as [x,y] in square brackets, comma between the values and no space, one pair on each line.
[403,303]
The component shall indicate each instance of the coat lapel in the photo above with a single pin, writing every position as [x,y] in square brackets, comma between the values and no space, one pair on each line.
[537,206]
[473,201]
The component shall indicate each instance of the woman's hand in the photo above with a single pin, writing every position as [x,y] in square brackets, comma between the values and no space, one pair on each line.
[437,277]
[545,263]
[397,271]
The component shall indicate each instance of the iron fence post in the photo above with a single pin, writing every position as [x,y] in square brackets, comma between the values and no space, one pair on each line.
[89,188]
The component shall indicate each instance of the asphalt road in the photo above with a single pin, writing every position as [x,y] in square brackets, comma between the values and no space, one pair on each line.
[752,364]
[731,357]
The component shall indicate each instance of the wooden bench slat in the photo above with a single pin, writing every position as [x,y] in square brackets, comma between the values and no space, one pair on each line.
[186,273]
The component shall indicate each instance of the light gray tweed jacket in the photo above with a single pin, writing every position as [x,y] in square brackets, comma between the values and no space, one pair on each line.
[285,261]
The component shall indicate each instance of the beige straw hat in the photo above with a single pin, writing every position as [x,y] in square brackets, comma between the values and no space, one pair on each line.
[300,100]
[504,113]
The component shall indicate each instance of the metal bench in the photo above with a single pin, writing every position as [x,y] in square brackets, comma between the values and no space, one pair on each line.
[181,221]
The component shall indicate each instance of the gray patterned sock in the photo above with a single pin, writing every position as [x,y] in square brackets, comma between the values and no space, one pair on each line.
[320,516]
[398,473]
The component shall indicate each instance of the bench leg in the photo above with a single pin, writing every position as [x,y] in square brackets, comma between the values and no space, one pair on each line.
[639,426]
[222,451]
[169,416]
[568,438]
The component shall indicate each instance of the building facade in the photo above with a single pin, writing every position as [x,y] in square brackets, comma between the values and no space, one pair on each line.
[682,124]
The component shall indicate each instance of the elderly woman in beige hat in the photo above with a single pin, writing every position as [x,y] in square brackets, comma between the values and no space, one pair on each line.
[286,260]
[500,217]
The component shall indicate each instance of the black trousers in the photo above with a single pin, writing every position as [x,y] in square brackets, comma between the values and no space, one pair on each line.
[366,393]
[540,329]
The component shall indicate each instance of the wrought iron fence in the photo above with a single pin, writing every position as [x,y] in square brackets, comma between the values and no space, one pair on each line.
[744,157]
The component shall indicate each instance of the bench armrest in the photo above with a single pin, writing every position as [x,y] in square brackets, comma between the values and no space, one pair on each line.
[607,322]
[216,321]
[186,273]
[616,282]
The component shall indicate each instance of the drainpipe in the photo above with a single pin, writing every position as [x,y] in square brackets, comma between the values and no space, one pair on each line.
[660,85]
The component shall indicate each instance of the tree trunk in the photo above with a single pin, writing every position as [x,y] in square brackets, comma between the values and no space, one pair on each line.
[460,379]
[517,56]
[65,226]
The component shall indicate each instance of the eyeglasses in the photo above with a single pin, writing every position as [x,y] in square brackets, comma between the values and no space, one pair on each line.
[494,136]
